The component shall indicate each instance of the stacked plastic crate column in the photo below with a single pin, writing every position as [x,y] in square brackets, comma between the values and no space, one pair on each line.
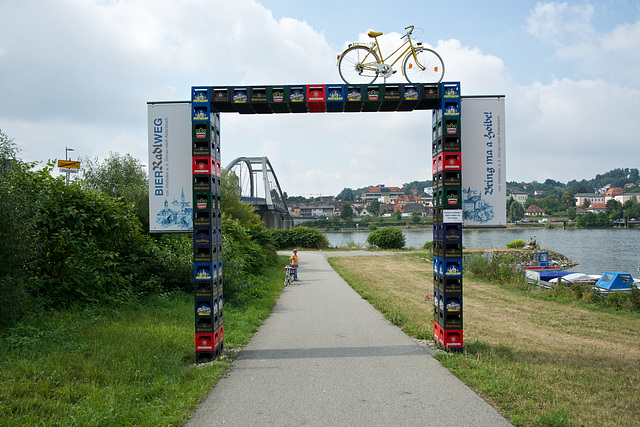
[207,226]
[447,223]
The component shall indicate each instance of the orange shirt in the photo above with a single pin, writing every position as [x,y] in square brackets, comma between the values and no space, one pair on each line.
[294,259]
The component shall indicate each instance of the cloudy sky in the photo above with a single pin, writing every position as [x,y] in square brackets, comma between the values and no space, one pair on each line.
[79,74]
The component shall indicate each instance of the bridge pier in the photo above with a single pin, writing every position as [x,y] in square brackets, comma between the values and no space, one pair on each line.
[273,219]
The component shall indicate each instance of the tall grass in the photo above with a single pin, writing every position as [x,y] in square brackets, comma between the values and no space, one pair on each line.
[120,364]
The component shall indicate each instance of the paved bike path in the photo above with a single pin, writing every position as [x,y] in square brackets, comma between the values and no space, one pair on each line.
[326,357]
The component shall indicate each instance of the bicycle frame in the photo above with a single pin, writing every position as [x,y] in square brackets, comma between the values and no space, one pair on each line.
[376,48]
[383,60]
[364,62]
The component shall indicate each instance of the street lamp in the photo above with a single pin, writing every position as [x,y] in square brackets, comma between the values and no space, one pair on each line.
[66,157]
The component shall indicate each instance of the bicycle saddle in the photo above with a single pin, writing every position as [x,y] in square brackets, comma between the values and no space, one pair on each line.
[374,34]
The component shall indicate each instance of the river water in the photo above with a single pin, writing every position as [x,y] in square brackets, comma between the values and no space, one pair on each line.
[596,250]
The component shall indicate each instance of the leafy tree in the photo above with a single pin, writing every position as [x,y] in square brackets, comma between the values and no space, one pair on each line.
[121,177]
[19,203]
[91,247]
[571,213]
[568,199]
[398,215]
[530,201]
[373,207]
[346,212]
[591,220]
[415,217]
[614,209]
[550,204]
[631,208]
[416,185]
[516,211]
[347,194]
[230,201]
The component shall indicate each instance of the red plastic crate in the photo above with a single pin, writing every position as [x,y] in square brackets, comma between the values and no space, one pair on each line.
[448,338]
[206,342]
[202,165]
[316,98]
[451,161]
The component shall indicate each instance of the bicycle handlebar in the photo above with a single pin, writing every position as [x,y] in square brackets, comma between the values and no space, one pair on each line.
[410,28]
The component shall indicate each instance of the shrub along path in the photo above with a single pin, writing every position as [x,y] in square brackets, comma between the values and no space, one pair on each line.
[326,357]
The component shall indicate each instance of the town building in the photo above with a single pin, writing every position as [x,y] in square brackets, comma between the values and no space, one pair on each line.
[592,197]
[597,208]
[381,193]
[533,210]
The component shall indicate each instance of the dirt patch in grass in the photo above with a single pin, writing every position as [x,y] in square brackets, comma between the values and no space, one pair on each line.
[540,362]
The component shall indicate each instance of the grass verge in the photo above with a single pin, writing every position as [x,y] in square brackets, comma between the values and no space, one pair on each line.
[124,364]
[538,361]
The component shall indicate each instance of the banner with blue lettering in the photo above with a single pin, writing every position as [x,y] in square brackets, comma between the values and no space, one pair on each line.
[170,195]
[484,187]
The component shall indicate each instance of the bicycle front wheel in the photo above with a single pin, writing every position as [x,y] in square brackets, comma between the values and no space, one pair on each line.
[357,65]
[425,66]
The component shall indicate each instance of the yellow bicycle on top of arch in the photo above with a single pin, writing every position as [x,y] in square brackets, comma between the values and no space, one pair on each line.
[364,63]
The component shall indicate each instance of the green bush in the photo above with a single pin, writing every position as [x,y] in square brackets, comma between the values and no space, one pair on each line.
[428,245]
[387,238]
[516,244]
[89,246]
[300,237]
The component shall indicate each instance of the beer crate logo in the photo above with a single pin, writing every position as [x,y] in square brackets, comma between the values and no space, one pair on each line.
[335,95]
[354,95]
[296,96]
[220,95]
[201,132]
[411,94]
[278,96]
[316,95]
[201,203]
[204,310]
[240,97]
[200,97]
[204,274]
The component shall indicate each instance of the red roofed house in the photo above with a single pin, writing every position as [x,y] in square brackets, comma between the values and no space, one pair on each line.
[381,193]
[533,210]
[597,208]
[610,193]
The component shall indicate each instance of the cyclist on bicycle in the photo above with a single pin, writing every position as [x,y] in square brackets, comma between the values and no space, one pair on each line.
[293,260]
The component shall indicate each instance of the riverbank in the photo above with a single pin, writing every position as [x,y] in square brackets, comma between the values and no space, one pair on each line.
[527,257]
[539,361]
[595,250]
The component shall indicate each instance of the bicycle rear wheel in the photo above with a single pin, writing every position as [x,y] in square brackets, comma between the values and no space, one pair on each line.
[425,67]
[352,65]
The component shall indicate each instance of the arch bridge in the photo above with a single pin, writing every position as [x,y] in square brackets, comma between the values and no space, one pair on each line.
[260,188]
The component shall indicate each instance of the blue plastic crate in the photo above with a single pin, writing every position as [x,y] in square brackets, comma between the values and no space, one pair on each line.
[450,90]
[200,94]
[298,99]
[335,98]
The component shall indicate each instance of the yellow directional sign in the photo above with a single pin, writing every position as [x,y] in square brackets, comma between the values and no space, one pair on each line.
[68,166]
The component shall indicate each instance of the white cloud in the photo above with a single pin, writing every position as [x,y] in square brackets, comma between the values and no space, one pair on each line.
[569,31]
[560,24]
[554,128]
[84,78]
